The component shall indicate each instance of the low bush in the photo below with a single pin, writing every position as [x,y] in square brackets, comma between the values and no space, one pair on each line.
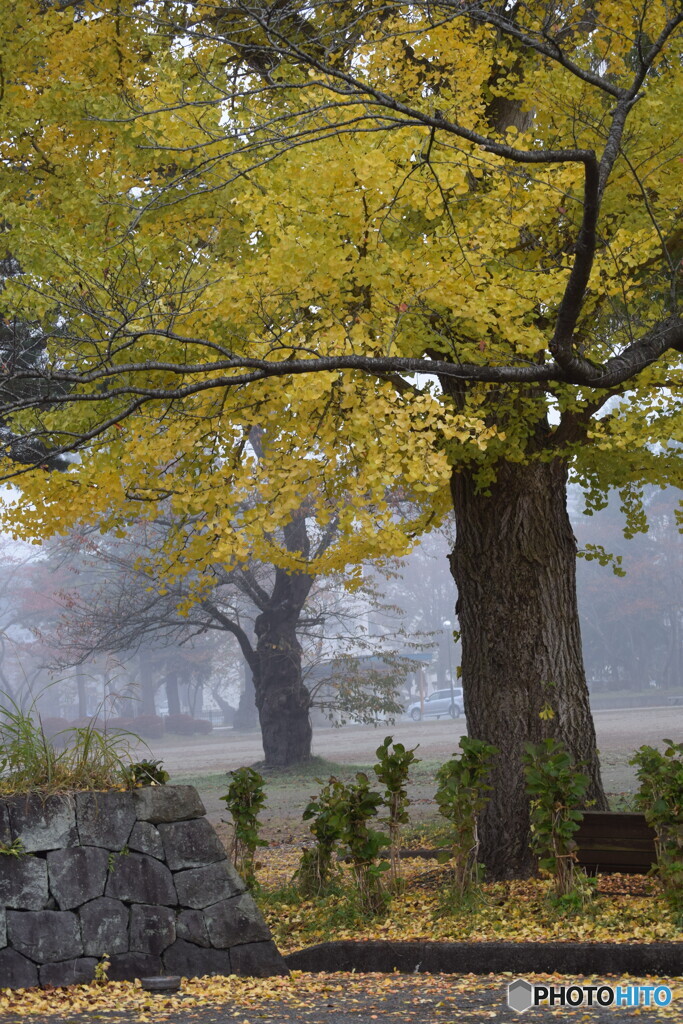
[181,725]
[146,773]
[392,770]
[557,791]
[244,800]
[660,798]
[363,843]
[325,812]
[461,797]
[120,724]
[202,726]
[89,722]
[150,727]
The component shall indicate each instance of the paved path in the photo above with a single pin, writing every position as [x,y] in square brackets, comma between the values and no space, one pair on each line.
[221,751]
[393,999]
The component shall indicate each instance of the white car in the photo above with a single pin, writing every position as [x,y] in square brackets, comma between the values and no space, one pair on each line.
[439,704]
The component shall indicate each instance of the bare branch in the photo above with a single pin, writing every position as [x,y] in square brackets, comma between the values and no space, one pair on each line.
[234,628]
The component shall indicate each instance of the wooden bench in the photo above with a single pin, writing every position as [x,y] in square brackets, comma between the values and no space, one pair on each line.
[608,842]
[611,842]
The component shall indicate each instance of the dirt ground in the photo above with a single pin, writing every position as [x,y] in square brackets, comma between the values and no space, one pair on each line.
[204,761]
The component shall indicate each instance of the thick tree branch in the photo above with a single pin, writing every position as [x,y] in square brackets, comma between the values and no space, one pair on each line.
[546,47]
[350,86]
[578,369]
[245,581]
[668,334]
[328,536]
[232,627]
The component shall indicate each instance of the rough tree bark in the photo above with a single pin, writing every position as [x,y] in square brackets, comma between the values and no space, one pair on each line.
[282,700]
[514,567]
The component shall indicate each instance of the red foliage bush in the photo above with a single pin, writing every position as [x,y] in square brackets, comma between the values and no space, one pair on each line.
[127,724]
[151,727]
[182,725]
[89,723]
[52,726]
[186,725]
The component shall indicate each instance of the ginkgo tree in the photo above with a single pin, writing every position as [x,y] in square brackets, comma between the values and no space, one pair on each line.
[428,246]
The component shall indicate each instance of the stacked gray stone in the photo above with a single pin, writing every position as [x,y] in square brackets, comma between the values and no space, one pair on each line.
[139,877]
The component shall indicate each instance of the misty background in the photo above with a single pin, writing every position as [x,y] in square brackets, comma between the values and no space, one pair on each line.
[86,630]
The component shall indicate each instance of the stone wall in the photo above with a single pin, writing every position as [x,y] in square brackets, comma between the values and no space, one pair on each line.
[139,876]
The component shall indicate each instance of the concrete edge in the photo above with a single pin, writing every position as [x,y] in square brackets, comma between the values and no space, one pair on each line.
[571,958]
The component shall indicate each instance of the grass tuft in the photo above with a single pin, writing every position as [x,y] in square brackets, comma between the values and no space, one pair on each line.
[87,758]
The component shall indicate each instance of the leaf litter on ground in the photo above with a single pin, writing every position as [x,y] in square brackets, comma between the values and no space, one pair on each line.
[625,909]
[232,1000]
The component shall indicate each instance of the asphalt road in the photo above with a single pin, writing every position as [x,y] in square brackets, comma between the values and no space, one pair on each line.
[435,999]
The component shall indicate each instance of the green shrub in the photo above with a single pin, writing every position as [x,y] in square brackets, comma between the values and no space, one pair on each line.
[557,792]
[461,797]
[392,770]
[327,815]
[660,797]
[244,800]
[364,844]
[146,773]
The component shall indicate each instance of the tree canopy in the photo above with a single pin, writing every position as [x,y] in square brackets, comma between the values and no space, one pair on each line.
[235,195]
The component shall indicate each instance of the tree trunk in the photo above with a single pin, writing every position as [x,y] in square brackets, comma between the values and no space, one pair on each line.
[246,716]
[673,673]
[172,691]
[227,710]
[195,698]
[82,694]
[514,567]
[282,700]
[146,684]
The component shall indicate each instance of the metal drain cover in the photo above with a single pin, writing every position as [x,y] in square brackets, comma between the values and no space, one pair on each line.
[171,983]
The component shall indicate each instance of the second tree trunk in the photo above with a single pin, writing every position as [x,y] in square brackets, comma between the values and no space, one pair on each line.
[282,699]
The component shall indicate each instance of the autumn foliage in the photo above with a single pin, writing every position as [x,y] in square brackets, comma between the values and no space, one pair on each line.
[427,247]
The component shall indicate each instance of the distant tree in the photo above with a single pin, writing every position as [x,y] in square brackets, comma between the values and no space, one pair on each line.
[28,611]
[283,625]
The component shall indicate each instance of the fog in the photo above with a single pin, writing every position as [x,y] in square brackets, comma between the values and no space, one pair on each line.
[84,631]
